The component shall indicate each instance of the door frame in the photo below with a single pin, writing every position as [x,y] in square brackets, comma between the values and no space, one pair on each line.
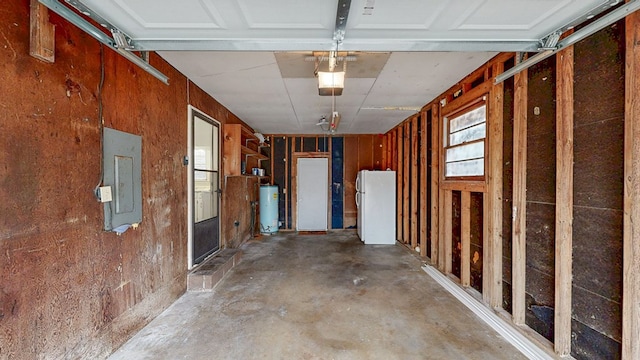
[192,111]
[294,183]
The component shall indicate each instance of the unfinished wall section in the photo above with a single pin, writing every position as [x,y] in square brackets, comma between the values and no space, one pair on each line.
[598,195]
[583,91]
[68,289]
[541,195]
[348,155]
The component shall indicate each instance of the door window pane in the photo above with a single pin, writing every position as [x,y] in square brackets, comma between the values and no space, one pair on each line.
[205,195]
[203,145]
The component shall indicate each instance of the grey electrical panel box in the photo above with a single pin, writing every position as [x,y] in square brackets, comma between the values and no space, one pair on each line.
[122,161]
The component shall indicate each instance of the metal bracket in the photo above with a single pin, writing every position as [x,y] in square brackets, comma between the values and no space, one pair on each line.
[590,29]
[86,26]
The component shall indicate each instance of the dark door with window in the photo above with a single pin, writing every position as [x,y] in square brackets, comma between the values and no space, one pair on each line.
[206,199]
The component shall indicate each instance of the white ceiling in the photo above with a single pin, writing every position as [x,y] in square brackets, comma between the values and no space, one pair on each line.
[252,55]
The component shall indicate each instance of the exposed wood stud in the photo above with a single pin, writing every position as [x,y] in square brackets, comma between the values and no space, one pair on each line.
[414,185]
[447,246]
[494,191]
[406,214]
[423,184]
[287,184]
[435,183]
[519,211]
[465,234]
[631,232]
[399,183]
[42,42]
[486,251]
[564,202]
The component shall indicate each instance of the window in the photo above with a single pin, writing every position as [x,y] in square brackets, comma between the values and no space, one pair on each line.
[464,134]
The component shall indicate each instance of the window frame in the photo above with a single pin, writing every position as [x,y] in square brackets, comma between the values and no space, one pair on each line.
[472,181]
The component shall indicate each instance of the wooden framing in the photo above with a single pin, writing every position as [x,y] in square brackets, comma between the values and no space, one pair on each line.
[422,213]
[294,186]
[435,183]
[42,41]
[631,227]
[406,214]
[465,234]
[414,185]
[564,201]
[287,184]
[447,239]
[399,182]
[475,93]
[493,176]
[519,211]
[394,151]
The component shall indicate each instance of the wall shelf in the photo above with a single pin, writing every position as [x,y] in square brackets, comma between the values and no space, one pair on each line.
[243,150]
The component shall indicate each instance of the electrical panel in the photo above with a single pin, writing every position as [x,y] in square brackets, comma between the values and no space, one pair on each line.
[122,172]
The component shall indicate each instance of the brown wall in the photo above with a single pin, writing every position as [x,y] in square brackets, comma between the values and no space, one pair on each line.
[69,289]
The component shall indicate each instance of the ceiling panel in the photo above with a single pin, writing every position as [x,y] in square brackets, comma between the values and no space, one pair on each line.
[253,55]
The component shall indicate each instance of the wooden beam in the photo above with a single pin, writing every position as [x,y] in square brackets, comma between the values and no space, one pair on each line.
[287,182]
[472,186]
[399,183]
[423,212]
[631,232]
[564,201]
[493,176]
[465,234]
[486,250]
[519,218]
[42,41]
[394,150]
[463,101]
[435,183]
[406,214]
[447,239]
[414,185]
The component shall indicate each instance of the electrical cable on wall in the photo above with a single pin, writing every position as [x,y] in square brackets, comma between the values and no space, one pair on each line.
[100,122]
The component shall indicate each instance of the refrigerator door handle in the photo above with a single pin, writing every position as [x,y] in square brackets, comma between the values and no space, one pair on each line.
[358,182]
[357,200]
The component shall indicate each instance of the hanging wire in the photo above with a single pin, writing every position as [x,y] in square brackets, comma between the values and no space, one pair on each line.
[101,120]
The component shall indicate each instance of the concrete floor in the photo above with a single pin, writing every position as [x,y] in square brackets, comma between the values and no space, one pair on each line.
[320,297]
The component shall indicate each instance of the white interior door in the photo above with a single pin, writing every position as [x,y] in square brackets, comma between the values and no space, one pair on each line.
[312,194]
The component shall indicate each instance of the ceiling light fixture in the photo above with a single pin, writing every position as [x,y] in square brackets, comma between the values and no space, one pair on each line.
[330,83]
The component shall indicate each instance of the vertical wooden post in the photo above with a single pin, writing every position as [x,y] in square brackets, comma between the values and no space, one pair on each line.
[519,234]
[42,33]
[564,201]
[423,184]
[631,232]
[287,182]
[435,182]
[406,211]
[493,175]
[486,250]
[447,230]
[394,150]
[399,183]
[465,234]
[414,188]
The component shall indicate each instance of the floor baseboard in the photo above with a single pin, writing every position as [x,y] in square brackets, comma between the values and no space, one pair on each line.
[506,330]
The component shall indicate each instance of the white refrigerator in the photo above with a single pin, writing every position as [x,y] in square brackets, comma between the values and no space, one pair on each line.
[376,203]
